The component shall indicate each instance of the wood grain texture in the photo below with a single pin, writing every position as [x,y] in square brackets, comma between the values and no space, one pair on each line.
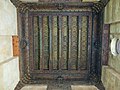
[15,42]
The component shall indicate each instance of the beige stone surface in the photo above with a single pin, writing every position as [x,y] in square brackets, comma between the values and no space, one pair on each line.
[112,12]
[11,74]
[29,0]
[74,87]
[35,87]
[108,12]
[1,79]
[90,0]
[115,28]
[5,48]
[110,78]
[8,18]
[114,61]
[84,87]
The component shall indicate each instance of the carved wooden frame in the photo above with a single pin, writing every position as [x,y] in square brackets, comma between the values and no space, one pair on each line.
[97,10]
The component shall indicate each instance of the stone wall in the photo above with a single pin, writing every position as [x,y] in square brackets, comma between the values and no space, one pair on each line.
[111,73]
[9,65]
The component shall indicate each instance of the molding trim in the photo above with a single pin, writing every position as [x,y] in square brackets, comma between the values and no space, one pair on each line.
[97,7]
[21,7]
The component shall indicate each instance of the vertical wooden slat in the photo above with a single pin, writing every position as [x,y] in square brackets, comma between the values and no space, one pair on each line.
[79,41]
[64,42]
[74,43]
[31,42]
[45,42]
[69,41]
[60,41]
[41,42]
[84,42]
[36,42]
[50,24]
[54,43]
[89,60]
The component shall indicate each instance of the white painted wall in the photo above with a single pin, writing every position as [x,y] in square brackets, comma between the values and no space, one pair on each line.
[9,65]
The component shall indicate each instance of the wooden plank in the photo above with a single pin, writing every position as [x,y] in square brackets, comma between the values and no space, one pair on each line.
[105,44]
[69,41]
[83,60]
[36,43]
[45,39]
[79,41]
[55,43]
[50,25]
[74,42]
[40,43]
[64,42]
[60,41]
[15,42]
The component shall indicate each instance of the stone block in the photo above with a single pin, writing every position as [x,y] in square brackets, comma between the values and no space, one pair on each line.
[5,48]
[1,78]
[115,28]
[29,0]
[11,74]
[110,78]
[112,13]
[114,61]
[8,18]
[90,0]
[84,87]
[35,87]
[108,13]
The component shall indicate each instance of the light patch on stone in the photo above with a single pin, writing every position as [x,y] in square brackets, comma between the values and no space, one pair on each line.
[5,48]
[110,78]
[8,18]
[11,74]
[84,87]
[29,0]
[35,87]
[90,0]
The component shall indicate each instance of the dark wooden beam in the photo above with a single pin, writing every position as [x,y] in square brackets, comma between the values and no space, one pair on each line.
[105,44]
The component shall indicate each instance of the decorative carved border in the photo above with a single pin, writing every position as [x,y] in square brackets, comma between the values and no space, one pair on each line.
[95,6]
[24,8]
